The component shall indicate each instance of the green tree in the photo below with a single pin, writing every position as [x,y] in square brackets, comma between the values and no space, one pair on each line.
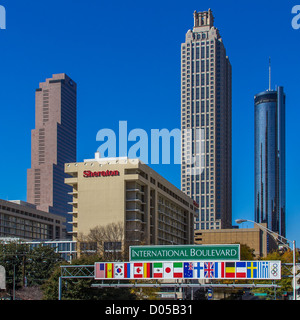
[50,286]
[40,264]
[21,262]
[286,281]
[247,253]
[80,289]
[12,256]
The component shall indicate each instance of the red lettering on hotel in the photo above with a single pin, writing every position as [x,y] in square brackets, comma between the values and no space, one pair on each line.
[196,204]
[107,173]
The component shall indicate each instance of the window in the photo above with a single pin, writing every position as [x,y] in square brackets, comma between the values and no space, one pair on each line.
[112,246]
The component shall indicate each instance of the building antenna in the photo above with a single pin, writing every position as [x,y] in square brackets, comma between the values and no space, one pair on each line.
[269,73]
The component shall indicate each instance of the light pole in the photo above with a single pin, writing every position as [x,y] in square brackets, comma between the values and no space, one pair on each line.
[281,239]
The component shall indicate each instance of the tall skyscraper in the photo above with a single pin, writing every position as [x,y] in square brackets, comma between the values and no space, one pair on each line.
[53,143]
[206,123]
[270,159]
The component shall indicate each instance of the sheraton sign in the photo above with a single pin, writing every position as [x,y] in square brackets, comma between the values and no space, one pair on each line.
[107,173]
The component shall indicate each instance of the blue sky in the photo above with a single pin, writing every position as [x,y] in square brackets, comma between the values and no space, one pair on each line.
[125,58]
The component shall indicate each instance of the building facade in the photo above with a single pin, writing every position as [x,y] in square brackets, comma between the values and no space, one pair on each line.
[112,190]
[19,219]
[206,123]
[255,238]
[53,143]
[66,248]
[270,159]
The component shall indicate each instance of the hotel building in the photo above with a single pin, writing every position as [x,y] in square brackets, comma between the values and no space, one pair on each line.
[53,143]
[111,190]
[206,123]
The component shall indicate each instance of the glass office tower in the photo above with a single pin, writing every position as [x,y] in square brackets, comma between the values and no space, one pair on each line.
[270,159]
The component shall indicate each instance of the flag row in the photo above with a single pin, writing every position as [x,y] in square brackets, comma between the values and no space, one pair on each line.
[188,270]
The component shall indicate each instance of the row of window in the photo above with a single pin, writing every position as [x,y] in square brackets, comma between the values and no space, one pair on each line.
[17,227]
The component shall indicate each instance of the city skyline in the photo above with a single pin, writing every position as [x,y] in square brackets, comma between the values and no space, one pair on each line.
[106,78]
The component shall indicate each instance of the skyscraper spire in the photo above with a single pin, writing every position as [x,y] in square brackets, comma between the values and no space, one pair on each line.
[269,73]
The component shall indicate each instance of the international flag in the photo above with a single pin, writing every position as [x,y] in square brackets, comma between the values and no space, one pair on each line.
[229,270]
[138,270]
[199,270]
[241,269]
[188,269]
[147,270]
[219,270]
[216,269]
[263,269]
[119,270]
[99,270]
[127,270]
[109,270]
[168,270]
[252,270]
[275,269]
[178,270]
[209,269]
[158,270]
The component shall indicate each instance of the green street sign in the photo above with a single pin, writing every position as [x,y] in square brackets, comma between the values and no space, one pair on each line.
[218,252]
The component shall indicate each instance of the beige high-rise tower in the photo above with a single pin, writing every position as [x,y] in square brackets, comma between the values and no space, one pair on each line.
[206,123]
[53,143]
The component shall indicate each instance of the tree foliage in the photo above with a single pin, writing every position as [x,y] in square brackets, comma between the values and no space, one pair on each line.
[247,253]
[286,280]
[80,289]
[27,266]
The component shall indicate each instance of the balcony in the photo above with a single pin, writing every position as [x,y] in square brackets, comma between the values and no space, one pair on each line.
[74,192]
[71,181]
[136,200]
[74,203]
[134,190]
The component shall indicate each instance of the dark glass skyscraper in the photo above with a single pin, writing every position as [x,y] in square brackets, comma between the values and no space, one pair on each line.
[270,159]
